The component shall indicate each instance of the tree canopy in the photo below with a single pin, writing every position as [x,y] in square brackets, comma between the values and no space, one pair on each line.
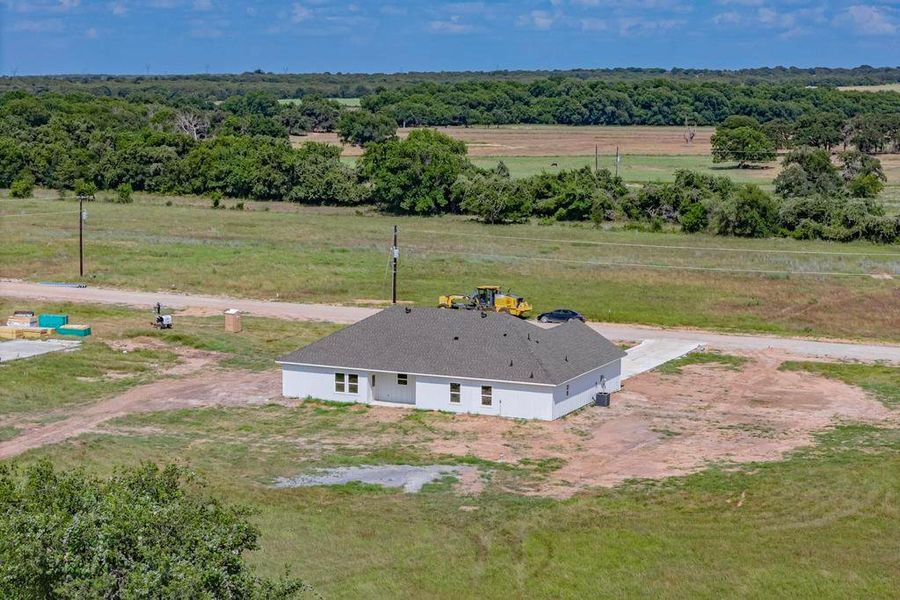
[142,533]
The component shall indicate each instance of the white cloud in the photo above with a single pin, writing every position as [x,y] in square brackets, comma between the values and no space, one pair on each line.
[451,25]
[300,13]
[629,26]
[539,19]
[203,4]
[118,8]
[868,20]
[69,4]
[594,24]
[91,33]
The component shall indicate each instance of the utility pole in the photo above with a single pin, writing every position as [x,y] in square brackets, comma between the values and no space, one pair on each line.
[395,254]
[81,216]
[617,161]
[596,158]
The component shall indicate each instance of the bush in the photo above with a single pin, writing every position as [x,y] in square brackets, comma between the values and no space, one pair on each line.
[494,199]
[749,212]
[22,187]
[124,193]
[695,218]
[143,533]
[86,189]
[865,186]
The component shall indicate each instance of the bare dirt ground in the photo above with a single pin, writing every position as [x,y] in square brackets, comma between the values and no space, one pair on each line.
[664,425]
[658,425]
[193,382]
[558,140]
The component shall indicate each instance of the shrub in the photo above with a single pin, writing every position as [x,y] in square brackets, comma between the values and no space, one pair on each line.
[87,189]
[749,212]
[695,218]
[124,193]
[865,186]
[143,533]
[22,187]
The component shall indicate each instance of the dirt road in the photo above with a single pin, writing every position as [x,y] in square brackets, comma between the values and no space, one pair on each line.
[351,314]
[210,387]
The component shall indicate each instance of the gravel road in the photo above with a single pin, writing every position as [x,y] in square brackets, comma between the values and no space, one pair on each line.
[351,314]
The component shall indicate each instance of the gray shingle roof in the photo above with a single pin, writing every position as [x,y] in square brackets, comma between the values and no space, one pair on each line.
[458,343]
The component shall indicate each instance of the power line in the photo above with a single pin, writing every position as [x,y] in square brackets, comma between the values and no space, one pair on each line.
[659,246]
[58,212]
[650,265]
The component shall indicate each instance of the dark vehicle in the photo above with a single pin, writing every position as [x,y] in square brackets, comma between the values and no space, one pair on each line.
[560,315]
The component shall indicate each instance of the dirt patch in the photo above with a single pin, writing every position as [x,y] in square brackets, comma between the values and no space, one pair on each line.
[192,383]
[663,425]
[410,478]
[543,140]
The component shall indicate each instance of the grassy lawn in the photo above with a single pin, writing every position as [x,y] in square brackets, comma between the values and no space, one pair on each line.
[97,370]
[800,528]
[883,381]
[632,168]
[673,367]
[280,251]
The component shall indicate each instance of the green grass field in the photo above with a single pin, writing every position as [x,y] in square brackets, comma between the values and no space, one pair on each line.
[632,168]
[304,254]
[820,524]
[802,527]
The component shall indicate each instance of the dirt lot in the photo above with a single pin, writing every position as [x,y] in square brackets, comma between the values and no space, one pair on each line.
[659,425]
[557,140]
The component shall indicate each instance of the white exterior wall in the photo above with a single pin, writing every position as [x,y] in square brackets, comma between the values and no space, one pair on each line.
[301,381]
[431,392]
[583,388]
[508,399]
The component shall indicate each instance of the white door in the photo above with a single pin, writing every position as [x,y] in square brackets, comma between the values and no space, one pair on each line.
[395,387]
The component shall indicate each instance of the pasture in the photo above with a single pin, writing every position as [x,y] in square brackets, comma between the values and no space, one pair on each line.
[307,254]
[525,524]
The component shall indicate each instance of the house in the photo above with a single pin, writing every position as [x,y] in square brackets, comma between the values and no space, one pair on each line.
[459,361]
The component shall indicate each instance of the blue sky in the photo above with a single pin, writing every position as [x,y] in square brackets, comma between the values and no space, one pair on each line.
[195,36]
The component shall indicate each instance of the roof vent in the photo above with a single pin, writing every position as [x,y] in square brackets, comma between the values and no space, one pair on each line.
[510,362]
[504,335]
[455,338]
[531,376]
[529,336]
[408,310]
[483,314]
[567,358]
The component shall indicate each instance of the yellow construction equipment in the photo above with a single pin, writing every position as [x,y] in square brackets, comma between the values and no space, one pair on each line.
[487,297]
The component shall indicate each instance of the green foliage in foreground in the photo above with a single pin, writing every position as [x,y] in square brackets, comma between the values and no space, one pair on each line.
[143,533]
[882,380]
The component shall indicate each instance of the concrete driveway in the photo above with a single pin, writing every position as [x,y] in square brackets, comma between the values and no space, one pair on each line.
[15,349]
[651,353]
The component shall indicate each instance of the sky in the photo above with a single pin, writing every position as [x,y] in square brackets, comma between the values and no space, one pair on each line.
[228,36]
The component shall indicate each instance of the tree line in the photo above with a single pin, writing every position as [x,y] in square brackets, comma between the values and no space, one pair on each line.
[353,85]
[645,102]
[240,149]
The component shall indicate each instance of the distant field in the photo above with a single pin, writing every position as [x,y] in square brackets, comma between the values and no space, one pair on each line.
[307,254]
[639,168]
[561,140]
[887,87]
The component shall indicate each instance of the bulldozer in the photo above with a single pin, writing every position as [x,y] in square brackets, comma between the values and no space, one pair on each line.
[487,297]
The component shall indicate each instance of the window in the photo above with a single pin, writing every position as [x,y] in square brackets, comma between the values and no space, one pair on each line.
[486,395]
[567,390]
[402,378]
[346,384]
[454,393]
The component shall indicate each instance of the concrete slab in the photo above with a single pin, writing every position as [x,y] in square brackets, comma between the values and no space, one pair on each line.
[651,353]
[15,349]
[410,478]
